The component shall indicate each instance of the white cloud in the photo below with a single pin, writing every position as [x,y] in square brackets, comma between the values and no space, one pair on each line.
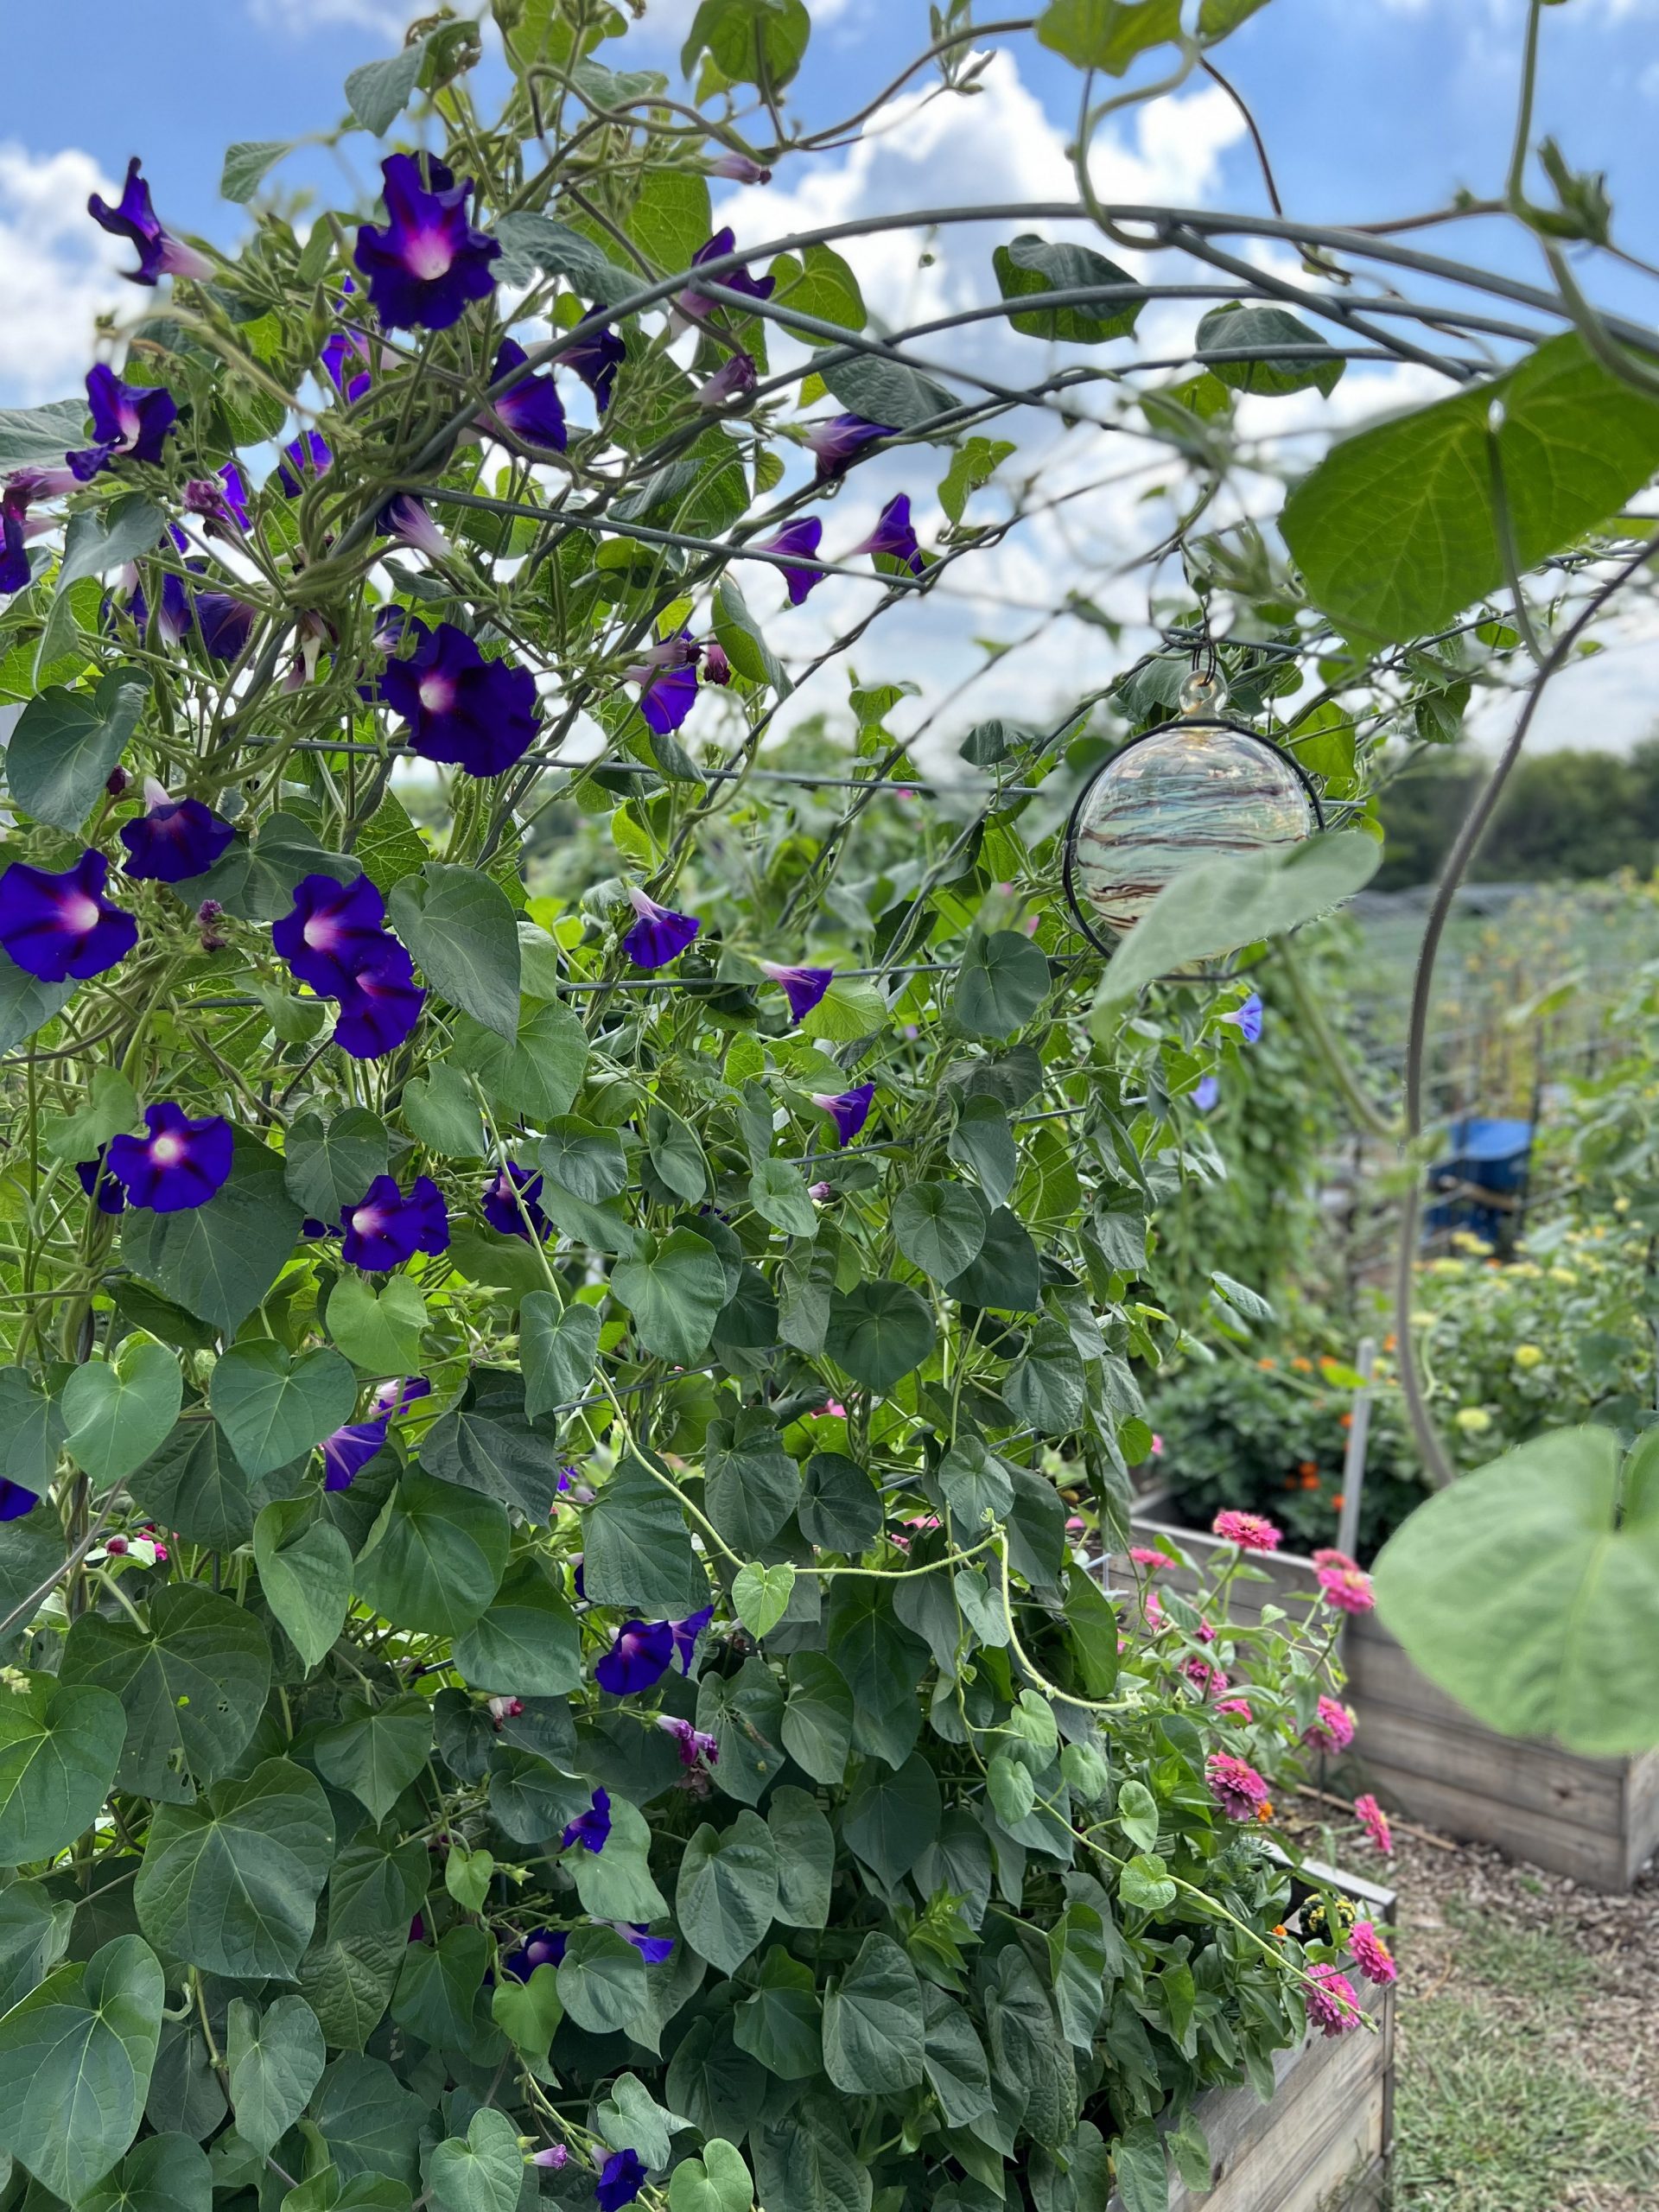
[57,270]
[299,16]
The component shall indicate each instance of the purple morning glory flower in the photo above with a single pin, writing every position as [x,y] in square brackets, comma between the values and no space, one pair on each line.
[55,926]
[14,1500]
[801,536]
[31,483]
[893,535]
[620,2180]
[694,1748]
[226,624]
[668,697]
[160,254]
[1247,1019]
[694,304]
[385,1228]
[304,459]
[802,987]
[174,838]
[478,714]
[741,169]
[380,1005]
[595,359]
[392,1397]
[129,422]
[734,379]
[1206,1091]
[848,1109]
[532,410]
[333,931]
[842,441]
[344,348]
[219,500]
[426,263]
[591,1829]
[638,1660]
[98,1183]
[349,1450]
[552,2154]
[180,1164]
[543,1947]
[653,1950]
[405,520]
[686,1633]
[174,616]
[15,573]
[717,668]
[510,1203]
[660,935]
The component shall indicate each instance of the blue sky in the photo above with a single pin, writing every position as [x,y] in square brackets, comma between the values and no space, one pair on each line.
[1370,108]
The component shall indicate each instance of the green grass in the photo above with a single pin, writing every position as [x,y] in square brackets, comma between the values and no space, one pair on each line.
[1493,2113]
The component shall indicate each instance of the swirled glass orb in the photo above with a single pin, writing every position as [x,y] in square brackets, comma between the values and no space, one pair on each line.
[1199,790]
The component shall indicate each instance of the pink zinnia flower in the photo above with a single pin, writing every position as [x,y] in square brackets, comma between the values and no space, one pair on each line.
[1333,1731]
[1371,1955]
[1143,1557]
[1235,1785]
[1205,1631]
[1203,1677]
[1328,1555]
[1154,1613]
[1157,1445]
[1251,1532]
[1375,1822]
[1332,2001]
[1236,1708]
[1348,1588]
[833,1408]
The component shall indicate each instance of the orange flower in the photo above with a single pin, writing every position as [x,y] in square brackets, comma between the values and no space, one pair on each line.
[1347,1421]
[1339,1501]
[1311,1481]
[1267,1363]
[1302,1366]
[1307,1467]
[1264,1811]
[1280,1928]
[1389,1342]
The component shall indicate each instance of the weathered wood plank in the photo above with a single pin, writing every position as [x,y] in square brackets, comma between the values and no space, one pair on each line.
[1597,1858]
[1326,2124]
[1535,1781]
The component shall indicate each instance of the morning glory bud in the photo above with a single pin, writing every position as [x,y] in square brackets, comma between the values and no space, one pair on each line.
[842,441]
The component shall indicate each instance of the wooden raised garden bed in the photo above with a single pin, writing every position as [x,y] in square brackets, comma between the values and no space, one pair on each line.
[1322,2143]
[1595,1820]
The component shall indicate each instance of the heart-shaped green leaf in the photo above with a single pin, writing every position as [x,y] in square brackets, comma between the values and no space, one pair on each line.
[275,1408]
[762,1596]
[378,1330]
[60,1745]
[482,2173]
[75,2061]
[120,1411]
[305,1571]
[276,2060]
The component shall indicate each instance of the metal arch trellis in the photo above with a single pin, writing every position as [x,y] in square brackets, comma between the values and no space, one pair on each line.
[1194,234]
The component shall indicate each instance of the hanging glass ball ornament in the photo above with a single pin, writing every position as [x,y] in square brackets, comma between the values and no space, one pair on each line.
[1203,787]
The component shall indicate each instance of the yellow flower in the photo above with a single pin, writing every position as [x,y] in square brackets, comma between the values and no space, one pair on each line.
[1528,1356]
[1477,1247]
[1473,1421]
[1423,1321]
[1621,1205]
[1563,1275]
